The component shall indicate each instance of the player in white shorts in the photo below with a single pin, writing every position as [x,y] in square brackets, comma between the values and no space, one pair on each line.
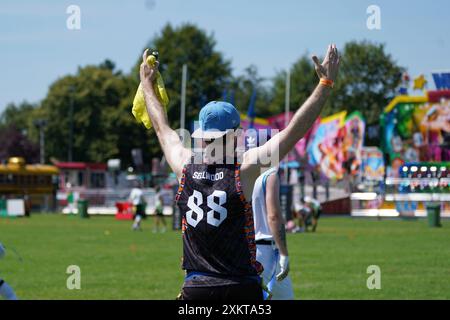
[6,292]
[270,235]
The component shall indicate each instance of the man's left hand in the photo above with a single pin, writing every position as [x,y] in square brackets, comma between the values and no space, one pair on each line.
[283,262]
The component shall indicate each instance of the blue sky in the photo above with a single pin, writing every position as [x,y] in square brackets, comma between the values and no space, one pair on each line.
[37,48]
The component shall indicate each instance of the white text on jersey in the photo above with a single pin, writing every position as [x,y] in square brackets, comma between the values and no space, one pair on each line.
[208,176]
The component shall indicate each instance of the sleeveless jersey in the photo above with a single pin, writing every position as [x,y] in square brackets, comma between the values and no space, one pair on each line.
[262,229]
[217,221]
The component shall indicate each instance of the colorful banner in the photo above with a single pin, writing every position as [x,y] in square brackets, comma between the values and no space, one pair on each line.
[332,145]
[354,127]
[302,145]
[325,149]
[258,123]
[279,121]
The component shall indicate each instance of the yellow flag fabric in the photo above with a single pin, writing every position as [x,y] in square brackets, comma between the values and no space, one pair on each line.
[139,108]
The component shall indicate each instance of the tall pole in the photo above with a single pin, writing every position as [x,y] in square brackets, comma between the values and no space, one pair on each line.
[42,143]
[70,154]
[287,102]
[287,98]
[183,96]
[41,123]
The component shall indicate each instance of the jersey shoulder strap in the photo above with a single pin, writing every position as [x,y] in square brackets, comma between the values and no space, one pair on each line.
[265,176]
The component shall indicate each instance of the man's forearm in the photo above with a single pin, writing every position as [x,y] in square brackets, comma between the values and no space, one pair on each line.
[279,235]
[155,109]
[304,118]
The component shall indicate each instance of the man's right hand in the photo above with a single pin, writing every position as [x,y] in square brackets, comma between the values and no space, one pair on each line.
[147,73]
[329,68]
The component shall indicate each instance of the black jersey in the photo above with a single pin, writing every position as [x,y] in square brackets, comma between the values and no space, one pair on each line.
[217,221]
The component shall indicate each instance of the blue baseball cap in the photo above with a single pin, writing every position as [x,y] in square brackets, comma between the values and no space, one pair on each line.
[216,119]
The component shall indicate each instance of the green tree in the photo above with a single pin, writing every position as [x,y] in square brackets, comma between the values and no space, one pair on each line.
[20,115]
[243,87]
[303,79]
[16,144]
[103,126]
[368,80]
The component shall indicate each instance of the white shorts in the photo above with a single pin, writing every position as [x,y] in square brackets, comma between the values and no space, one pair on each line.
[267,255]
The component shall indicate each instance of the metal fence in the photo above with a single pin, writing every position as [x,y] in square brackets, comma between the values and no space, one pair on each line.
[103,201]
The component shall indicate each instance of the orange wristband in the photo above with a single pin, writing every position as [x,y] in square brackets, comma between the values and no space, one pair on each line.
[327,83]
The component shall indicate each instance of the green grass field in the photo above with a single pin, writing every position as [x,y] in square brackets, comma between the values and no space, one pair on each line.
[117,263]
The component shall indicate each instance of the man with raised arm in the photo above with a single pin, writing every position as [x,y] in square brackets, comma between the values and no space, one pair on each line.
[219,249]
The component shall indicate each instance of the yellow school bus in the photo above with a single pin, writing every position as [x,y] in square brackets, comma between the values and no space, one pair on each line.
[36,183]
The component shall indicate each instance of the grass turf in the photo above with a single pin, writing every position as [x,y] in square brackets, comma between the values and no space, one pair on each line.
[117,263]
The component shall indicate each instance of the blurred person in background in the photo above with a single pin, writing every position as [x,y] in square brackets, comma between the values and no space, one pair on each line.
[316,210]
[308,214]
[137,199]
[303,215]
[159,211]
[70,199]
